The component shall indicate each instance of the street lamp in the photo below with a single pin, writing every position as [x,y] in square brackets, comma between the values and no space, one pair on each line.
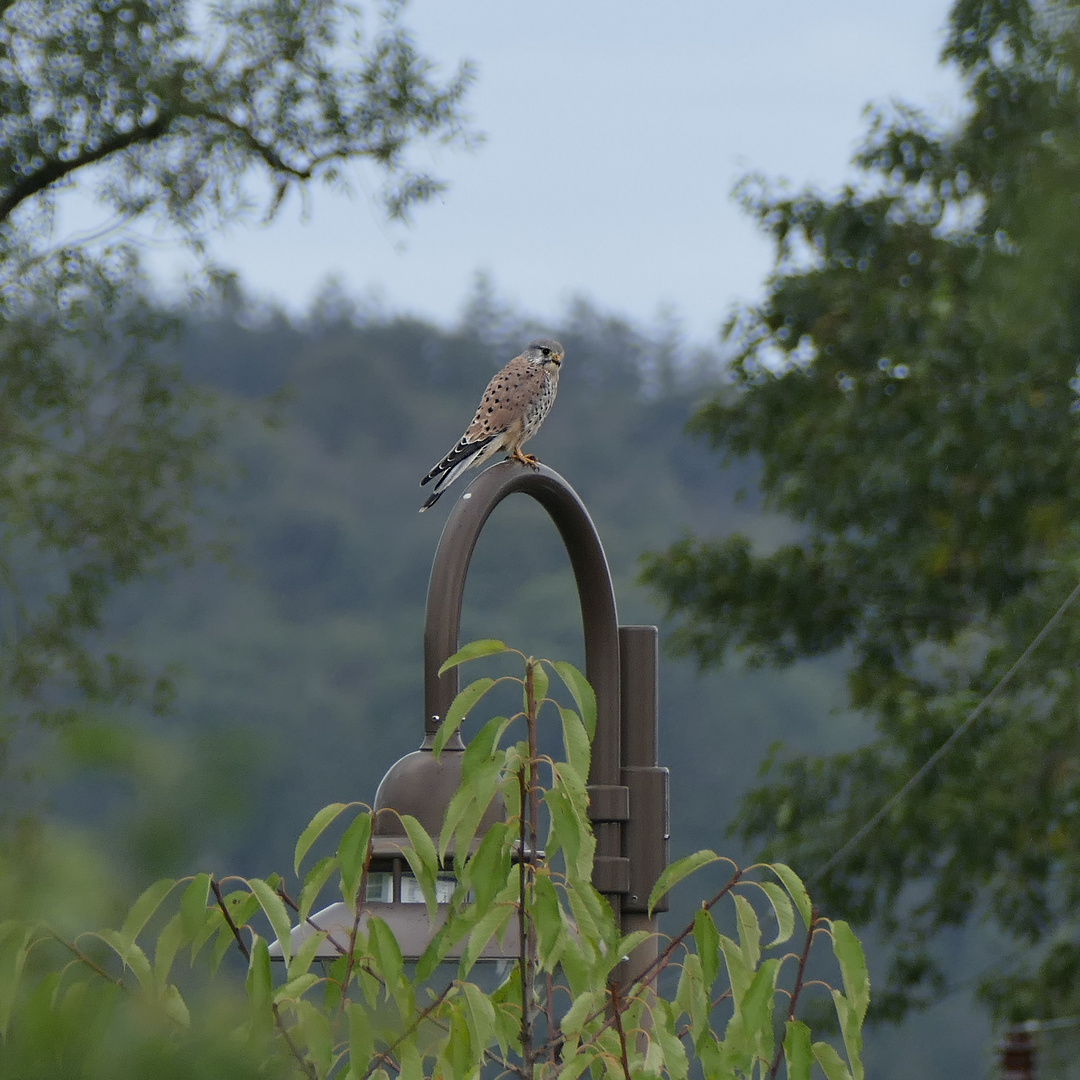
[628,790]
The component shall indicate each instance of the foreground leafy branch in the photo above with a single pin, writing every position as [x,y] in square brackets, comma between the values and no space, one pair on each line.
[562,1009]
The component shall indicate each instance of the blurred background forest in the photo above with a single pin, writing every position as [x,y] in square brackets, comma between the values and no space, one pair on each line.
[295,639]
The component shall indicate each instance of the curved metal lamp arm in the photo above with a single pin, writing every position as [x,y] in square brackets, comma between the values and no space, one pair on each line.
[595,593]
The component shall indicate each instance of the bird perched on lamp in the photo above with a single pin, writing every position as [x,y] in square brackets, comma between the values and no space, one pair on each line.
[511,411]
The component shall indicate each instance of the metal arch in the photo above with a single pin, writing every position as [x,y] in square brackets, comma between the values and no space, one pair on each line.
[446,591]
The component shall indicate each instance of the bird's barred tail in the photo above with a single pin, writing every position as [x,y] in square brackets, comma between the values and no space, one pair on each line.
[451,467]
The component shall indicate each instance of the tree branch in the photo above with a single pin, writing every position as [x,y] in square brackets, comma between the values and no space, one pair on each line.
[56,170]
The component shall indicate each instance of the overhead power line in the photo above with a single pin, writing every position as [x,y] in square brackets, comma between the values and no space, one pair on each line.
[940,752]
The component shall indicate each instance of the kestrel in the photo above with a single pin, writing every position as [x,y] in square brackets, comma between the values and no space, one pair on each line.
[511,411]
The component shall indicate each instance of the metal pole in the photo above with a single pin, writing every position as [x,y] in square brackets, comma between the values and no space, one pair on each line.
[608,795]
[645,834]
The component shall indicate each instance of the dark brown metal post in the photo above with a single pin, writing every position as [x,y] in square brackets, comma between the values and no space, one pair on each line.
[645,834]
[609,798]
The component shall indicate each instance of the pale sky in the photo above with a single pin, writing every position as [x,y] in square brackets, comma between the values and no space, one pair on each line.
[615,131]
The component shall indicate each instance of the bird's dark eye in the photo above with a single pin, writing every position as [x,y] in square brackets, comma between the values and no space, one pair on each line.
[546,352]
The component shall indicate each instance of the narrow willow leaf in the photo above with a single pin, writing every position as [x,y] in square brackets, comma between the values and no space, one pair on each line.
[707,938]
[361,1039]
[849,954]
[551,936]
[797,1050]
[386,951]
[316,827]
[459,709]
[130,954]
[480,1015]
[577,1064]
[314,881]
[352,856]
[193,905]
[423,860]
[142,911]
[274,909]
[831,1063]
[315,1030]
[491,924]
[851,1031]
[581,692]
[168,944]
[584,1006]
[749,930]
[757,1009]
[259,982]
[676,871]
[782,909]
[486,871]
[174,1006]
[796,890]
[473,651]
[676,1063]
[296,988]
[540,684]
[739,972]
[576,742]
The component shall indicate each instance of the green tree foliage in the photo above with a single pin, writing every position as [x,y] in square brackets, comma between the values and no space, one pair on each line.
[909,387]
[179,116]
[94,1003]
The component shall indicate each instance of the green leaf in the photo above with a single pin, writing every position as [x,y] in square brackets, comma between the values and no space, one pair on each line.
[540,684]
[676,1063]
[131,955]
[15,940]
[581,692]
[757,1009]
[386,951]
[491,924]
[480,1016]
[316,827]
[353,853]
[583,1006]
[552,936]
[314,882]
[851,1030]
[193,905]
[473,651]
[707,938]
[422,859]
[692,995]
[315,1030]
[486,871]
[797,1050]
[796,890]
[576,742]
[168,944]
[677,871]
[274,909]
[782,909]
[361,1039]
[459,709]
[142,911]
[749,930]
[259,982]
[739,971]
[849,954]
[831,1063]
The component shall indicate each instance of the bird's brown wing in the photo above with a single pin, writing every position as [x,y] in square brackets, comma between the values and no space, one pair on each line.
[505,400]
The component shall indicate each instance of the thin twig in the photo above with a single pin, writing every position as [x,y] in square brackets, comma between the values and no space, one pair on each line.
[84,959]
[616,1016]
[797,989]
[307,1066]
[241,943]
